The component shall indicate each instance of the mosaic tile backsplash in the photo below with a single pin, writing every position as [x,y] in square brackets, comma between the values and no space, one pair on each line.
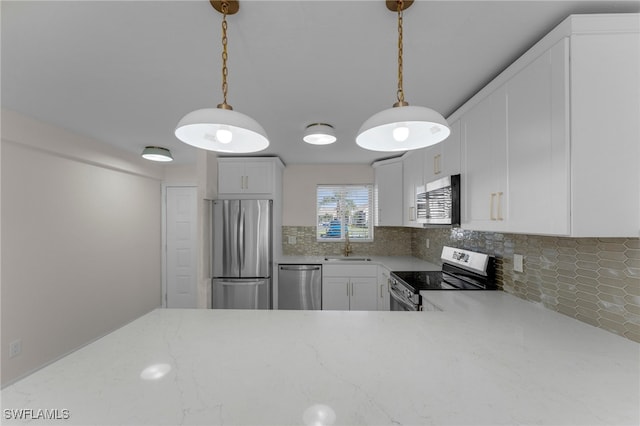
[595,280]
[388,241]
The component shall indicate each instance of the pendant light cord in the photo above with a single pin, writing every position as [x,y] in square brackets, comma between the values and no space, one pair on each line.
[225,9]
[400,92]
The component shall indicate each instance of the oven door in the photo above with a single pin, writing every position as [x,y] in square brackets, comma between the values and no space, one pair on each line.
[399,303]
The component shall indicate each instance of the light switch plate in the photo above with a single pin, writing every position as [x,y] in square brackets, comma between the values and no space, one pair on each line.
[518,263]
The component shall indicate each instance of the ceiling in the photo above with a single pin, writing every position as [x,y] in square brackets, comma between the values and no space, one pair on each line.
[125,72]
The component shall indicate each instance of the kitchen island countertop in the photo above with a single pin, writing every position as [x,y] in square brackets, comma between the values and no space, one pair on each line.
[487,358]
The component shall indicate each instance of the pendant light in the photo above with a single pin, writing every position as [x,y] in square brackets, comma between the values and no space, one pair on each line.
[403,127]
[222,129]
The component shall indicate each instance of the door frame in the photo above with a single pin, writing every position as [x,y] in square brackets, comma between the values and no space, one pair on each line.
[165,187]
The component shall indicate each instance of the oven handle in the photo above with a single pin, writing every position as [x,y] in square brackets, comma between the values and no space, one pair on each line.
[401,300]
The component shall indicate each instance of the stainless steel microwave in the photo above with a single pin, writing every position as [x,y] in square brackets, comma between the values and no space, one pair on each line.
[438,202]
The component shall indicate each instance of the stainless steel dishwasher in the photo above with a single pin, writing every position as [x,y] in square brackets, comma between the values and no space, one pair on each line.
[300,287]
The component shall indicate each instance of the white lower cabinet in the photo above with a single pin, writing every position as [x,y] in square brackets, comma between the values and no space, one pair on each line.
[336,294]
[383,288]
[349,287]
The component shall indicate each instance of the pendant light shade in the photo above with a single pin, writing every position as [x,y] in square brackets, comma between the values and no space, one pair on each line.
[157,153]
[222,130]
[403,127]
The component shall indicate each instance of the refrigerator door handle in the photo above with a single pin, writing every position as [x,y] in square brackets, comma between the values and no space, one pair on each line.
[240,282]
[241,257]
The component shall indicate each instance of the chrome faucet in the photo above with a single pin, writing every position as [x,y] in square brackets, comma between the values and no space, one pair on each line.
[347,245]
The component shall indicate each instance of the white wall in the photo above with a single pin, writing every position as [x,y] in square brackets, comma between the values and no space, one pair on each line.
[80,241]
[299,187]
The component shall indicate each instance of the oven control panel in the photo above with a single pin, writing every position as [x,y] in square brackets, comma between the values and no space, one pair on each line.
[474,261]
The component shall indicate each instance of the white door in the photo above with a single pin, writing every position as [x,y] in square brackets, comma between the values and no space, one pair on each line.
[181,247]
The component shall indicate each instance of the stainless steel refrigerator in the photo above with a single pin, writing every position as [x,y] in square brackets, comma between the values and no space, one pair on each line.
[241,254]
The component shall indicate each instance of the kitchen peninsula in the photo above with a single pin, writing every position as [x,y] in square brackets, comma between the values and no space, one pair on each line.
[486,358]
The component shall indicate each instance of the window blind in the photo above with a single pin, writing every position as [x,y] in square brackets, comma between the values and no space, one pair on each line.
[344,208]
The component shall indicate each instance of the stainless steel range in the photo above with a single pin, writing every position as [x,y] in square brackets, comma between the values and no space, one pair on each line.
[461,270]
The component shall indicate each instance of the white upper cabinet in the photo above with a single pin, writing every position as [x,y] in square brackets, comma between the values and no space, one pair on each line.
[251,175]
[443,159]
[412,177]
[537,200]
[605,132]
[388,192]
[552,145]
[484,161]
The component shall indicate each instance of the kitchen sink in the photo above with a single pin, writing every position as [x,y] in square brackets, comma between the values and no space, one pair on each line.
[347,259]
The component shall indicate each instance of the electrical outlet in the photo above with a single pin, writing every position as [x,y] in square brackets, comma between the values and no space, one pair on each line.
[428,243]
[292,239]
[518,263]
[15,348]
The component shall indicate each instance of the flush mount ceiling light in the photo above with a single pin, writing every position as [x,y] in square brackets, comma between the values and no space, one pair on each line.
[157,153]
[222,129]
[403,127]
[319,134]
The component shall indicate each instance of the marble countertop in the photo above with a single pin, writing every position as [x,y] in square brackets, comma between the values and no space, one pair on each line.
[487,358]
[394,263]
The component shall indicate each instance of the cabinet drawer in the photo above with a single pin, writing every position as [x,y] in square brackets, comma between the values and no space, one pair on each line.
[349,270]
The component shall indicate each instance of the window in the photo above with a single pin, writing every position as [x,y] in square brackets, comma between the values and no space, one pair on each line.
[345,208]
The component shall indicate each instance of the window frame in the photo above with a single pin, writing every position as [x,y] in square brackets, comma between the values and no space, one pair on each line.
[340,192]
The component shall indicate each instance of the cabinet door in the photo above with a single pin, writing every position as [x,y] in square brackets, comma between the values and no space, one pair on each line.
[388,189]
[443,159]
[335,294]
[538,154]
[258,177]
[383,289]
[605,135]
[449,161]
[433,162]
[364,294]
[230,178]
[485,164]
[413,173]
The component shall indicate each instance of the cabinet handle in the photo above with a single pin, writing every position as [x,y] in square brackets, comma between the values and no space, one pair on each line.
[347,288]
[500,206]
[381,287]
[412,214]
[437,164]
[352,289]
[246,182]
[491,216]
